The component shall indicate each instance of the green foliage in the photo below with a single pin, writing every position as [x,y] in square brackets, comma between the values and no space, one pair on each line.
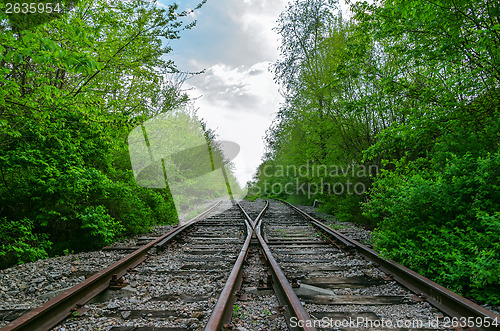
[436,203]
[346,208]
[444,224]
[297,200]
[20,242]
[325,121]
[102,227]
[72,89]
[410,88]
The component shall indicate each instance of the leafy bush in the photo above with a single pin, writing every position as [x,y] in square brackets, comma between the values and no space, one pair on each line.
[19,242]
[162,207]
[345,207]
[443,224]
[64,165]
[102,227]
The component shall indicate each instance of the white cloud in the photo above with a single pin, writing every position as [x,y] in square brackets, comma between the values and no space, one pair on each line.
[238,103]
[235,43]
[256,19]
[245,89]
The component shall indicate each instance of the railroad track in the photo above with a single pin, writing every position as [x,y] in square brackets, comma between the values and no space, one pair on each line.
[140,276]
[255,266]
[335,285]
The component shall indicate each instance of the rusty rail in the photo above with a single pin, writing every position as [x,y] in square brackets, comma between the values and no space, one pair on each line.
[59,308]
[440,297]
[221,314]
[283,289]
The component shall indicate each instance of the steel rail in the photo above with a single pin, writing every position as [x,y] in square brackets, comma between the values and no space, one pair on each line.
[261,214]
[341,238]
[59,308]
[285,291]
[247,217]
[221,314]
[440,297]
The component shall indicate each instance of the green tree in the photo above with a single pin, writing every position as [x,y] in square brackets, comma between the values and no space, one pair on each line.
[333,107]
[436,203]
[70,91]
[411,87]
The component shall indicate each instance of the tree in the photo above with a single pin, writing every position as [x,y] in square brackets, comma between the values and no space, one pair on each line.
[412,88]
[436,206]
[70,91]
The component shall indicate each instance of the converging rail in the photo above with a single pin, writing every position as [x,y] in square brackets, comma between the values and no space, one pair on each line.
[314,277]
[450,303]
[221,314]
[283,289]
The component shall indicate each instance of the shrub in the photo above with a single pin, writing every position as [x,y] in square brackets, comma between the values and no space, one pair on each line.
[444,224]
[19,242]
[101,227]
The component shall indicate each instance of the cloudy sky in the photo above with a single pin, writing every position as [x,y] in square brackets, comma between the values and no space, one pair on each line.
[235,44]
